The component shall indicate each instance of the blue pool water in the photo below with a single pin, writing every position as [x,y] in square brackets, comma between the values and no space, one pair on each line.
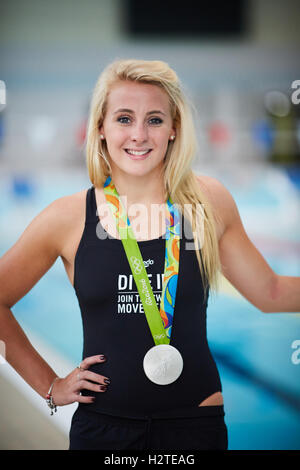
[253,350]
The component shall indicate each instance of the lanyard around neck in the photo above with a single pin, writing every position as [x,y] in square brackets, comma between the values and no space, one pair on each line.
[159,321]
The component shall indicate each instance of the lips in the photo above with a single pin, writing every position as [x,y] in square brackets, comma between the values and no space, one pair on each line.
[138,154]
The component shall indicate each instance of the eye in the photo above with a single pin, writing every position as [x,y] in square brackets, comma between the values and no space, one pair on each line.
[123,119]
[155,121]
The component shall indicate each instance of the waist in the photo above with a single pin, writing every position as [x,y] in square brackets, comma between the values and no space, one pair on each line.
[201,412]
[131,393]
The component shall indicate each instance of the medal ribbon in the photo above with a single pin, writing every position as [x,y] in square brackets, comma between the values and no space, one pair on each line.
[159,321]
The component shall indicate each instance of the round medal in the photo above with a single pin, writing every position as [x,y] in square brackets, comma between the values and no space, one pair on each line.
[163,364]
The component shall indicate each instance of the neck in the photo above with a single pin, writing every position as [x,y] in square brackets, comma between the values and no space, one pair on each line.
[140,189]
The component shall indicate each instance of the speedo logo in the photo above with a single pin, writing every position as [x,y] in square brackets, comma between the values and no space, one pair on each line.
[137,266]
[148,262]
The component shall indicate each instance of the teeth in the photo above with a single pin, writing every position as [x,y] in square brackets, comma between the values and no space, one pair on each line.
[134,152]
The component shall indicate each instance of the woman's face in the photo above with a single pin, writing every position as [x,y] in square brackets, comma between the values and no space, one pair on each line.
[137,127]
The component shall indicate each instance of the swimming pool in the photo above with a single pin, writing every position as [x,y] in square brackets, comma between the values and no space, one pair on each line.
[253,351]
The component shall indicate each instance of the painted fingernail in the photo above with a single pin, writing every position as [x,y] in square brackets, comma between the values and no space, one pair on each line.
[107,381]
[103,388]
[102,357]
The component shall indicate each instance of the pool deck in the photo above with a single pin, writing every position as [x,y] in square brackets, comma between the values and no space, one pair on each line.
[23,426]
[25,418]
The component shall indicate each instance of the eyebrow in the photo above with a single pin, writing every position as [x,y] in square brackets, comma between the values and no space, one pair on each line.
[126,110]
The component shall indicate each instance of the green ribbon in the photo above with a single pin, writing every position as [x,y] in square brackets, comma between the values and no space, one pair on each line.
[160,322]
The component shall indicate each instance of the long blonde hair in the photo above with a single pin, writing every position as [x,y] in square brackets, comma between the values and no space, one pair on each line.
[181,183]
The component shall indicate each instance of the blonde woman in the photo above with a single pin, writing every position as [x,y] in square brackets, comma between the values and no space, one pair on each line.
[143,246]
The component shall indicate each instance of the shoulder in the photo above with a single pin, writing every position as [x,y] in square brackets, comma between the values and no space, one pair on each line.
[67,207]
[56,221]
[214,190]
[220,199]
[44,239]
[64,209]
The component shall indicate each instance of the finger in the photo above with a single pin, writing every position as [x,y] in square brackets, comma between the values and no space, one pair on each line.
[88,361]
[93,377]
[83,399]
[86,385]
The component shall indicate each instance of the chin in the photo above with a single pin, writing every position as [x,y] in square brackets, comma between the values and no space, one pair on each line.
[138,173]
[138,170]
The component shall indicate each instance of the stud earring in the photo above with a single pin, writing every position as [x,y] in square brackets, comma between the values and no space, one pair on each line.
[101,136]
[172,137]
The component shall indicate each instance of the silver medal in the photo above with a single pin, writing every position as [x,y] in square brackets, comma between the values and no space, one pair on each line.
[163,364]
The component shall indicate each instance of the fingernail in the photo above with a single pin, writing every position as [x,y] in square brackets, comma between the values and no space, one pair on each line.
[103,388]
[102,357]
[107,381]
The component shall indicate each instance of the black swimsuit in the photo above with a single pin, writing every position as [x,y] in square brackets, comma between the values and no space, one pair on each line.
[114,323]
[134,413]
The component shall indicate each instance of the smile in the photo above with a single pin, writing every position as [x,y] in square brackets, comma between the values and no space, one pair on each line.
[137,152]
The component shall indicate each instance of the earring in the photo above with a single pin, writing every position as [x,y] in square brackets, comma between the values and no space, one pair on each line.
[172,137]
[101,136]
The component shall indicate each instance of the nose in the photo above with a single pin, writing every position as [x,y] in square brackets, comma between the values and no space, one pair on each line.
[139,133]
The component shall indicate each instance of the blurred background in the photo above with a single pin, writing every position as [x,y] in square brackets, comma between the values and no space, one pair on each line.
[239,65]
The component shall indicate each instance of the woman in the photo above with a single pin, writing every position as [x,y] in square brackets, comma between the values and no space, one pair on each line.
[145,381]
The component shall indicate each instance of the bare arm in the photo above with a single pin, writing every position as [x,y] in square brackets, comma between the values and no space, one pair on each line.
[20,269]
[244,266]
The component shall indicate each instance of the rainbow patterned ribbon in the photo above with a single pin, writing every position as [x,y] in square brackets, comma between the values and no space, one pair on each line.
[160,321]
